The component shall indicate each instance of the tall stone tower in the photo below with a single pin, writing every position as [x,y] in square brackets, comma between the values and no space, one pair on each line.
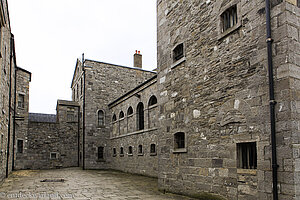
[214,97]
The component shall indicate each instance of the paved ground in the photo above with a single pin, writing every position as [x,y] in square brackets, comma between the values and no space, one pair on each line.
[79,184]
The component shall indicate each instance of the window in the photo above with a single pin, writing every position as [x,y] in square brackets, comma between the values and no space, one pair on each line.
[114,118]
[21,101]
[247,155]
[130,150]
[100,118]
[70,115]
[140,116]
[121,115]
[81,86]
[100,153]
[229,18]
[53,155]
[152,149]
[20,146]
[114,152]
[77,91]
[129,111]
[121,151]
[152,101]
[179,140]
[140,149]
[178,52]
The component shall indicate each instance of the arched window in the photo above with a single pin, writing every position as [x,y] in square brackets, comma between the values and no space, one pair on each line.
[121,115]
[140,149]
[100,153]
[152,149]
[100,118]
[114,118]
[130,150]
[129,111]
[140,116]
[121,151]
[152,101]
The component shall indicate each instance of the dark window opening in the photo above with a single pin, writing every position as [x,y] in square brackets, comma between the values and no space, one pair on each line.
[130,150]
[20,146]
[81,86]
[178,52]
[152,101]
[129,111]
[229,18]
[140,149]
[179,140]
[121,151]
[121,115]
[247,155]
[100,118]
[21,98]
[114,118]
[100,153]
[152,148]
[114,151]
[53,156]
[140,116]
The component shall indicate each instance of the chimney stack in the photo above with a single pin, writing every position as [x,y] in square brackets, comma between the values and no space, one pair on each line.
[137,59]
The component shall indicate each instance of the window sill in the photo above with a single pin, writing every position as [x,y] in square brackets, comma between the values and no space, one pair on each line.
[99,127]
[178,62]
[230,30]
[100,160]
[153,154]
[153,106]
[129,155]
[130,115]
[115,155]
[181,150]
[247,171]
[121,155]
[140,154]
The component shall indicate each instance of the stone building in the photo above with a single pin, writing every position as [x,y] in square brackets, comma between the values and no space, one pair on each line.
[215,133]
[205,122]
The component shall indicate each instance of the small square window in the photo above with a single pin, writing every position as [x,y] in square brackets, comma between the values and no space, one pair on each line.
[178,52]
[229,18]
[53,155]
[152,150]
[247,155]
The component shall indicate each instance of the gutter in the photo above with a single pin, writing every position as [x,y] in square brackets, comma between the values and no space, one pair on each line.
[14,117]
[9,108]
[272,101]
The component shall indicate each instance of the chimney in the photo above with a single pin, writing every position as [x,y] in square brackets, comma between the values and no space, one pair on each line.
[137,59]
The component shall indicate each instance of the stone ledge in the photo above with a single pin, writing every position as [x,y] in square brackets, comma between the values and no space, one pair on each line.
[247,171]
[178,62]
[181,150]
[134,133]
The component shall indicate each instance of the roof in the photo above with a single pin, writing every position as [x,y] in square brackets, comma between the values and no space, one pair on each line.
[39,117]
[24,70]
[135,68]
[67,103]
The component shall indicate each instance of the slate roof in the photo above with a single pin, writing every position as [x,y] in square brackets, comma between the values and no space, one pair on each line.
[39,117]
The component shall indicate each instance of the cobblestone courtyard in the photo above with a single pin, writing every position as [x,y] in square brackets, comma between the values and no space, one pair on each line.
[80,184]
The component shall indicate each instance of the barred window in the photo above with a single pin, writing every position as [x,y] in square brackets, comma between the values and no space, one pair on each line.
[229,18]
[247,155]
[20,146]
[178,52]
[21,98]
[100,118]
[179,140]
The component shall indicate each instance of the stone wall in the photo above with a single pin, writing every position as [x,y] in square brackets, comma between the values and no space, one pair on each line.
[7,78]
[103,83]
[125,133]
[217,95]
[52,141]
[23,78]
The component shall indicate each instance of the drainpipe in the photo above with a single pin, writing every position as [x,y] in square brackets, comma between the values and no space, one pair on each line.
[78,136]
[14,118]
[272,100]
[9,109]
[83,116]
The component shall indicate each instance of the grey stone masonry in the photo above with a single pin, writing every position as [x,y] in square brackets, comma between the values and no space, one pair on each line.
[103,82]
[213,86]
[126,134]
[7,80]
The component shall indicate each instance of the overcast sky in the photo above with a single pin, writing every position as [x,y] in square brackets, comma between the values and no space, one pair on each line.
[51,34]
